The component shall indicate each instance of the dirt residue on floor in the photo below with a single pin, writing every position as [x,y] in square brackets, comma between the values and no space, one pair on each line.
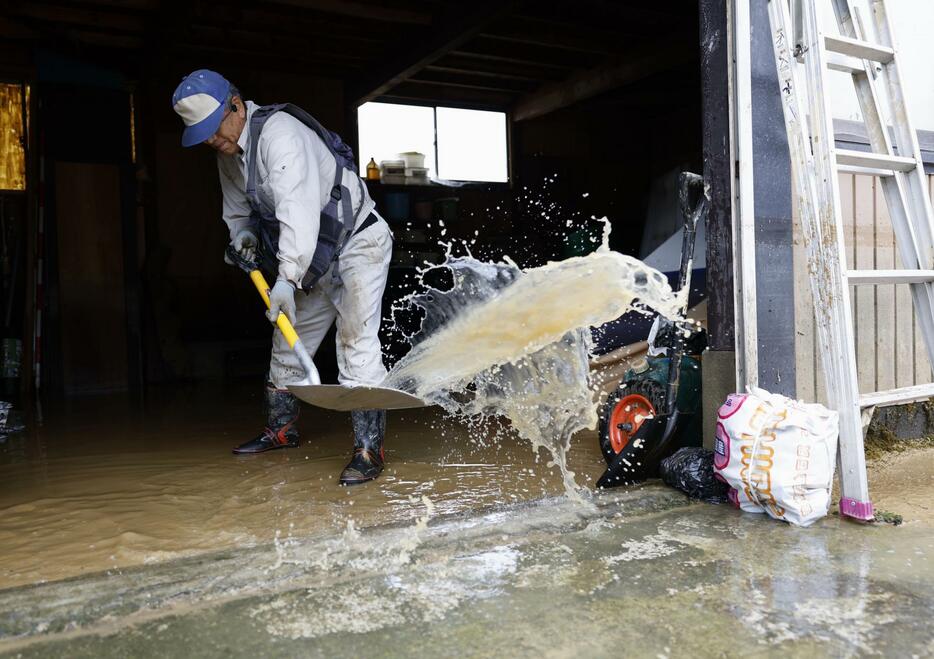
[901,481]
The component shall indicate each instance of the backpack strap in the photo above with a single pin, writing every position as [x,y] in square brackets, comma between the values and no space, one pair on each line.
[333,232]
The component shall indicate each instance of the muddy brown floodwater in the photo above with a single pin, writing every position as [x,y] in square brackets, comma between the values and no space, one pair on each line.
[100,486]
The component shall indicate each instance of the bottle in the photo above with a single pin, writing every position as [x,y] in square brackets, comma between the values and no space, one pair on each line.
[372,171]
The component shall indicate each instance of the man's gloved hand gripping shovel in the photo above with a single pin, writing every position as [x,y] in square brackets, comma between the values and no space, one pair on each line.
[282,322]
[310,389]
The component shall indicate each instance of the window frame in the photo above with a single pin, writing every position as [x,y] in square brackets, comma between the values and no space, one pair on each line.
[27,118]
[494,185]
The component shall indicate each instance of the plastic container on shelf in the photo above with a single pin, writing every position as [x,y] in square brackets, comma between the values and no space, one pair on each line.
[392,168]
[412,159]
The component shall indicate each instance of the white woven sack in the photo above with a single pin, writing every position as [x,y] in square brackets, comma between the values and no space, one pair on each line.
[778,455]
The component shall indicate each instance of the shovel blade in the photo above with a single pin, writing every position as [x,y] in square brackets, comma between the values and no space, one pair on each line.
[343,398]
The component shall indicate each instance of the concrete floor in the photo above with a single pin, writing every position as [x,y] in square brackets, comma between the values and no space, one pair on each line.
[462,549]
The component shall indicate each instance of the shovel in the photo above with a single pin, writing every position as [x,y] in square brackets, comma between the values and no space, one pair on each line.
[310,389]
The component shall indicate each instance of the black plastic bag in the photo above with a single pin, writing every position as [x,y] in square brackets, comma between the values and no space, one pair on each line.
[690,469]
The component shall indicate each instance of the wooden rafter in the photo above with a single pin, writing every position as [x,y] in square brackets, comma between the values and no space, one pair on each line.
[455,28]
[587,84]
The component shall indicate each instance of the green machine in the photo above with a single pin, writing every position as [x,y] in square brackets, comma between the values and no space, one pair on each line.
[656,408]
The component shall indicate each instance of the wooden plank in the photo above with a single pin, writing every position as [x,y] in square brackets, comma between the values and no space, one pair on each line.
[718,174]
[922,362]
[90,258]
[904,334]
[884,295]
[864,307]
[478,72]
[512,58]
[362,11]
[615,73]
[456,27]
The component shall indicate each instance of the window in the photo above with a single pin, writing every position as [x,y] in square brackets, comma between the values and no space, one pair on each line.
[13,124]
[459,145]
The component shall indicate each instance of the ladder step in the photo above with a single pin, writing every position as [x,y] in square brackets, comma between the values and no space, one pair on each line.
[897,396]
[851,65]
[864,171]
[875,160]
[860,49]
[890,276]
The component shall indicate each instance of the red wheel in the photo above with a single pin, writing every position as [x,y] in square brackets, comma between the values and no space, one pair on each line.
[624,412]
[625,419]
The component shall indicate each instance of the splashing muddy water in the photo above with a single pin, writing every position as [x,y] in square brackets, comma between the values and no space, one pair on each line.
[516,344]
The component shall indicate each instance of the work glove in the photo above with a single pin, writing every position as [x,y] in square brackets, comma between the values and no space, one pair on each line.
[245,244]
[281,299]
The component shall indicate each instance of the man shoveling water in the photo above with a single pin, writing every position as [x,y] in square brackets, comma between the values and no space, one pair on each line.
[292,199]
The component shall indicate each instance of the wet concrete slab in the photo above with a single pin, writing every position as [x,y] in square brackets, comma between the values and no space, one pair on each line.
[639,573]
[138,535]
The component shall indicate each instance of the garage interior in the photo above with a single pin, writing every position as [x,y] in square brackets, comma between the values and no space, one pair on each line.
[603,100]
[143,354]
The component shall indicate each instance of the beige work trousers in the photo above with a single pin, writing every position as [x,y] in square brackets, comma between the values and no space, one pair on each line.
[350,293]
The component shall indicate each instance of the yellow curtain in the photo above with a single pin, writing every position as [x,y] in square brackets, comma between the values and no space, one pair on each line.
[12,137]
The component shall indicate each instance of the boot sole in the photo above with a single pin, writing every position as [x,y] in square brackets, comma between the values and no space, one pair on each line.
[345,483]
[271,448]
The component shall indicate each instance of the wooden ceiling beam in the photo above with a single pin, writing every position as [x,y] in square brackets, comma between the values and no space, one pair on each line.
[463,84]
[360,10]
[490,59]
[449,96]
[485,67]
[92,18]
[558,39]
[612,75]
[470,71]
[449,31]
[529,54]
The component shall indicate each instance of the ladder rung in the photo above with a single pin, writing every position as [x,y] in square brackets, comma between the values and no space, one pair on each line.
[875,160]
[859,49]
[890,276]
[838,62]
[897,396]
[864,171]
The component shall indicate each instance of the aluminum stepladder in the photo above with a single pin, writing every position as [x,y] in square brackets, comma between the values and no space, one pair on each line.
[803,53]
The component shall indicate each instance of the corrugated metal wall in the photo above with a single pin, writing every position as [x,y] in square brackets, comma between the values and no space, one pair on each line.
[889,349]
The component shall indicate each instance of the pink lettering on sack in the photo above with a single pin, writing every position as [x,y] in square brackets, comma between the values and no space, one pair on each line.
[731,405]
[721,448]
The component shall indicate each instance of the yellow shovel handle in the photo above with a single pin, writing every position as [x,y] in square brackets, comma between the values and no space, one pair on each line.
[282,321]
[285,326]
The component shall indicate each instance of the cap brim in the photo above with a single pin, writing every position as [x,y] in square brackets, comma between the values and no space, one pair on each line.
[199,132]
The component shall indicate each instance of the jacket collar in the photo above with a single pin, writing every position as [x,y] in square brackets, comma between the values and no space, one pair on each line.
[244,141]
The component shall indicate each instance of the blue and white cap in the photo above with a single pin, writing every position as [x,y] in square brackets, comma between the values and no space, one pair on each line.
[199,100]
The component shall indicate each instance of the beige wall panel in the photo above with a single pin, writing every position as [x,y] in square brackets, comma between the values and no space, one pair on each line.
[890,350]
[884,295]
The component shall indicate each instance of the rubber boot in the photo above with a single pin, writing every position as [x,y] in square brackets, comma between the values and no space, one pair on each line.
[369,428]
[280,432]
